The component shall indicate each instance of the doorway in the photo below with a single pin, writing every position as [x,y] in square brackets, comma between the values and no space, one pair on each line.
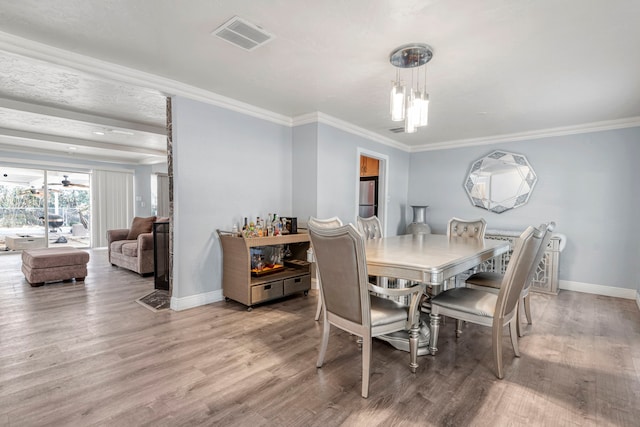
[371,185]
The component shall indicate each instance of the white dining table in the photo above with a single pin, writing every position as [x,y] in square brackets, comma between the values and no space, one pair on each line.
[429,259]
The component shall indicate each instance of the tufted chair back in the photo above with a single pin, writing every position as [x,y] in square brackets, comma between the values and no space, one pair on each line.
[370,227]
[473,229]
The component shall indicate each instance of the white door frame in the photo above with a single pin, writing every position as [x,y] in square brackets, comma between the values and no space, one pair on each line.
[383,184]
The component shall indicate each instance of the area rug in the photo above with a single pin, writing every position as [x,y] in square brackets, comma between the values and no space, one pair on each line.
[157,300]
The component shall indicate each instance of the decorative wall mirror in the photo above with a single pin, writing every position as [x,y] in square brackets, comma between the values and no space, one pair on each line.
[500,181]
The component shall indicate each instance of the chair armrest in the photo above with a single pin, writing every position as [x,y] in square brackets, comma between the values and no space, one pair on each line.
[395,292]
[414,307]
[145,241]
[117,234]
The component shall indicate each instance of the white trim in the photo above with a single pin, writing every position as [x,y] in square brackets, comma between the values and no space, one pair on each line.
[197,300]
[326,119]
[383,184]
[590,288]
[523,136]
[638,299]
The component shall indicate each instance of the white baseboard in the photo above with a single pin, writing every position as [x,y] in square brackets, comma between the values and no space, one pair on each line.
[192,301]
[590,288]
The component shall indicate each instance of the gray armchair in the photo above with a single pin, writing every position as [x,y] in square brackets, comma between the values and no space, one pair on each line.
[347,300]
[132,248]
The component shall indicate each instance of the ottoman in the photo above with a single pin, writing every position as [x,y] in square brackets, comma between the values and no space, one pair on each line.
[54,264]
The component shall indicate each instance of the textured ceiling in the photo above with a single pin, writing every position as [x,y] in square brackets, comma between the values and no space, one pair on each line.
[502,68]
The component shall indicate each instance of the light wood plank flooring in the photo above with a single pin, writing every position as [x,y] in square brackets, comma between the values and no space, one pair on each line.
[81,354]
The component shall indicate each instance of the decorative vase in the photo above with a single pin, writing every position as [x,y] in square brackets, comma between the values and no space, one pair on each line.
[418,224]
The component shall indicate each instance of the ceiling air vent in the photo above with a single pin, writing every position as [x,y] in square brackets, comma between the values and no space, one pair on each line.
[243,34]
[397,130]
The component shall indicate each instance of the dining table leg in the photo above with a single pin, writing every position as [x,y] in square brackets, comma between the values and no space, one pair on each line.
[413,347]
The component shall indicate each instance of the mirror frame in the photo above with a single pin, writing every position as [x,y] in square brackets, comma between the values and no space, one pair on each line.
[481,172]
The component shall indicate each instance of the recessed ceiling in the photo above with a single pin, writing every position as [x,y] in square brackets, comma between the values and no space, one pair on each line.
[501,68]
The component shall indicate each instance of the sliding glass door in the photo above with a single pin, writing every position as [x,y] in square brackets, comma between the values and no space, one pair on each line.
[68,209]
[21,209]
[43,209]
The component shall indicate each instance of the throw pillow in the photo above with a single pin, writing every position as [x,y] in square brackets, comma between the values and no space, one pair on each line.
[140,225]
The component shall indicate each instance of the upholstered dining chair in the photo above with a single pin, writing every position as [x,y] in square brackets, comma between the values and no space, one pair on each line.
[492,281]
[332,222]
[487,308]
[371,228]
[348,304]
[473,229]
[465,228]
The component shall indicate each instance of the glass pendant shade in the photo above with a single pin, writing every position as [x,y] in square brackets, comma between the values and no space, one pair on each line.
[423,116]
[412,113]
[398,93]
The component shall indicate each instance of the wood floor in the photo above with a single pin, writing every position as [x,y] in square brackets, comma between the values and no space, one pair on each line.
[81,354]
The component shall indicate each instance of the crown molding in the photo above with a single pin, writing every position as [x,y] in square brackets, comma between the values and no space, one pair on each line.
[538,134]
[326,119]
[168,87]
[35,50]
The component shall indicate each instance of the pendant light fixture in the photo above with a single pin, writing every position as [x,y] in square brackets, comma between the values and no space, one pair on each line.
[410,105]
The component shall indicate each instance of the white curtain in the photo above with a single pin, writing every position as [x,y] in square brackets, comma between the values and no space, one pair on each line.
[112,202]
[163,194]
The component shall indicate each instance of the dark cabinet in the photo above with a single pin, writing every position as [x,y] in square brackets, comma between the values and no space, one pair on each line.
[161,255]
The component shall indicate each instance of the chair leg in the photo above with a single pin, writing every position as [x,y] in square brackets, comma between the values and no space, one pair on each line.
[527,307]
[458,328]
[435,329]
[497,350]
[513,331]
[325,342]
[319,307]
[366,364]
[518,315]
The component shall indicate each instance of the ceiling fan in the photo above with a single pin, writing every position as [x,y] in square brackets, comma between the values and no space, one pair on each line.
[66,183]
[37,192]
[32,191]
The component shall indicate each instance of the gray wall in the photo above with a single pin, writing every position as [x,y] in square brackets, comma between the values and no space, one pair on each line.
[305,171]
[226,165]
[338,173]
[142,190]
[586,184]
